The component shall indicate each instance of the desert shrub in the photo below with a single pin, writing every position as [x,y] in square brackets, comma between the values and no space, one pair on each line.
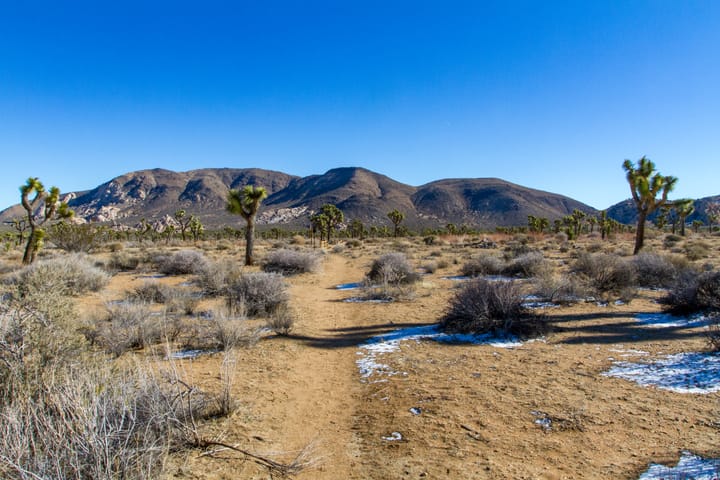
[282,321]
[227,331]
[392,269]
[658,271]
[483,265]
[515,248]
[94,421]
[694,292]
[257,294]
[561,237]
[181,300]
[124,261]
[526,265]
[149,292]
[126,326]
[298,240]
[562,289]
[181,263]
[74,272]
[671,240]
[606,274]
[291,262]
[430,240]
[214,277]
[697,250]
[430,267]
[353,243]
[481,306]
[594,247]
[76,238]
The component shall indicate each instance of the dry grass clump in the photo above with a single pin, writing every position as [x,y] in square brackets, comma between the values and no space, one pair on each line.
[75,273]
[282,321]
[175,299]
[226,331]
[481,306]
[128,326]
[181,263]
[606,275]
[257,294]
[291,262]
[697,250]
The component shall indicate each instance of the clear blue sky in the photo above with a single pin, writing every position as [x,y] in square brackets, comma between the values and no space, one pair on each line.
[552,95]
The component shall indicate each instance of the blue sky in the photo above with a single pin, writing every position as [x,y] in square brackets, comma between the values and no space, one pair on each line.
[552,95]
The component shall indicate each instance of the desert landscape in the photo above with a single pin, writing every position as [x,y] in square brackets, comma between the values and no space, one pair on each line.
[356,379]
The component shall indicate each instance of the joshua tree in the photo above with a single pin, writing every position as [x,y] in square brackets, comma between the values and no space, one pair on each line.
[246,203]
[319,223]
[196,227]
[396,217]
[43,207]
[184,222]
[334,217]
[645,186]
[712,210]
[684,208]
[357,229]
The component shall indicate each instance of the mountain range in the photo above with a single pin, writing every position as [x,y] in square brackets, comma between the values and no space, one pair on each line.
[361,194]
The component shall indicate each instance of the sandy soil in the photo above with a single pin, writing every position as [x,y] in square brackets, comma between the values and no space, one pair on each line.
[474,406]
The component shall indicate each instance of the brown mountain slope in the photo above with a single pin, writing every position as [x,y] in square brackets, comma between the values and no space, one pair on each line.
[488,202]
[359,193]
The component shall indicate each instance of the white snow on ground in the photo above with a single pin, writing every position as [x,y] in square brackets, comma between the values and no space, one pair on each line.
[349,286]
[370,350]
[689,467]
[681,373]
[664,320]
[190,354]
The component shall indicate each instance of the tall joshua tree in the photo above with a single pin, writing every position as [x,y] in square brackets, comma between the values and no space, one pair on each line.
[43,207]
[396,217]
[246,203]
[684,208]
[334,216]
[645,186]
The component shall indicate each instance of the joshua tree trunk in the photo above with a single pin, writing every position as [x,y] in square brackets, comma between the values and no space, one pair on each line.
[640,232]
[250,242]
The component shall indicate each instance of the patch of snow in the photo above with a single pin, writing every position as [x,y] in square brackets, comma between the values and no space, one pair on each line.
[689,467]
[348,286]
[666,320]
[364,300]
[393,437]
[629,352]
[681,373]
[190,354]
[390,342]
[415,411]
[543,420]
[535,302]
[457,278]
